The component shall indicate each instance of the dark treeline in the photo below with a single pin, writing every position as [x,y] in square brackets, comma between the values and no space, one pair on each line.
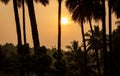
[97,56]
[73,59]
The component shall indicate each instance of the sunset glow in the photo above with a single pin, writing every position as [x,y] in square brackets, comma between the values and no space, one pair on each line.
[64,21]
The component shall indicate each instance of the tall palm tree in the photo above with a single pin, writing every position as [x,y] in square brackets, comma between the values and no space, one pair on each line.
[110,5]
[33,21]
[17,22]
[59,25]
[78,11]
[84,10]
[24,29]
[104,38]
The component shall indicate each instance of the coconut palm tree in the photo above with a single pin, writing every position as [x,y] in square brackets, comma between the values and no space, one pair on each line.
[24,29]
[96,41]
[103,18]
[59,25]
[77,9]
[33,21]
[84,10]
[75,59]
[17,22]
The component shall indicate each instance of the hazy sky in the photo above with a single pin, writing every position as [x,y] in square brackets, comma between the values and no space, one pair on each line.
[46,17]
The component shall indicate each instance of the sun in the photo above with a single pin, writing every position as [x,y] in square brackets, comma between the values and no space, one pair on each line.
[64,21]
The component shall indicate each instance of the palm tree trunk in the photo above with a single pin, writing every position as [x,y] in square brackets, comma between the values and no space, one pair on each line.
[104,39]
[33,25]
[59,25]
[24,29]
[18,30]
[17,22]
[95,47]
[110,38]
[85,54]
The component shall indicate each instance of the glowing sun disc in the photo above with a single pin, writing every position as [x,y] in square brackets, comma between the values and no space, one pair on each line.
[64,21]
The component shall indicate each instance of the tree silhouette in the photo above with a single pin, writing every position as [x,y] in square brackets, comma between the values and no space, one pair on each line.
[104,37]
[33,21]
[17,22]
[113,7]
[59,25]
[24,29]
[75,59]
[81,11]
[96,41]
[116,52]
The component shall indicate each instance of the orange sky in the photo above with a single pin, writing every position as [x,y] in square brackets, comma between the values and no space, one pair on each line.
[47,25]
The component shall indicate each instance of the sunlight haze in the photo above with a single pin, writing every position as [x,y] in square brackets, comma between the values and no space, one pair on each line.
[47,23]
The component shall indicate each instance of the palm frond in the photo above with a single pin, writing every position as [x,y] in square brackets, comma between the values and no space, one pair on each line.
[44,2]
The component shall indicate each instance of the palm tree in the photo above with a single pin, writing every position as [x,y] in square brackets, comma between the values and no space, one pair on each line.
[104,38]
[17,22]
[59,25]
[75,55]
[33,21]
[77,9]
[24,29]
[84,10]
[115,5]
[96,41]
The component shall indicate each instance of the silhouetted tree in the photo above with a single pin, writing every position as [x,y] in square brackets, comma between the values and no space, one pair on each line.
[113,7]
[104,37]
[116,52]
[74,60]
[96,41]
[33,21]
[17,22]
[78,9]
[59,25]
[42,62]
[24,29]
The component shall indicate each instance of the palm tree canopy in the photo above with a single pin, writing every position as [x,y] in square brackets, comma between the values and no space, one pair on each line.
[98,38]
[114,6]
[84,9]
[44,2]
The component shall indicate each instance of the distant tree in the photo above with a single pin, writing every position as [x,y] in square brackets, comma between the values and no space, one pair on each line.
[42,62]
[9,60]
[74,60]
